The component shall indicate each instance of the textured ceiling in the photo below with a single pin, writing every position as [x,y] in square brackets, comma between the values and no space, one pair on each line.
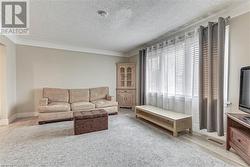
[129,24]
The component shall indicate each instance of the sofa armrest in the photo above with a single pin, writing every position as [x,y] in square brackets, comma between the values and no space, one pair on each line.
[44,102]
[110,98]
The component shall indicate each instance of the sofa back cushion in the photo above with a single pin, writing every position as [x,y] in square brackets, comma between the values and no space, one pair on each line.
[79,95]
[98,93]
[56,94]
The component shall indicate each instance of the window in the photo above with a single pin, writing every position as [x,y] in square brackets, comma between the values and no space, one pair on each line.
[172,69]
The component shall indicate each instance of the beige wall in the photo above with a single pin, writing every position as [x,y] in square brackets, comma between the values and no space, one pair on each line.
[135,59]
[239,54]
[7,77]
[43,67]
[3,113]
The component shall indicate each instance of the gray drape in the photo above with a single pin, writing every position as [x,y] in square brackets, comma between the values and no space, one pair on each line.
[212,46]
[142,95]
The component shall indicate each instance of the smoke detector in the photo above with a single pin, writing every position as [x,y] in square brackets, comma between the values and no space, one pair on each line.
[102,13]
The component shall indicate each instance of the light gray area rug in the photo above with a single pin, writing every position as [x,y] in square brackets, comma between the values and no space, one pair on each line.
[127,142]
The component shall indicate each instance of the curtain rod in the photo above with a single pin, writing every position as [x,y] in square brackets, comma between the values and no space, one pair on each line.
[174,32]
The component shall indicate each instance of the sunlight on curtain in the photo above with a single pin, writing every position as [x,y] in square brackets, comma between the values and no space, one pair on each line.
[172,75]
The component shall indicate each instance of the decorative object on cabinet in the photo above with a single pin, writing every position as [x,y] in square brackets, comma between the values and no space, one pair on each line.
[126,85]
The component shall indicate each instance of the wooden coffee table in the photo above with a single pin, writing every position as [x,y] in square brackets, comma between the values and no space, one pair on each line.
[90,121]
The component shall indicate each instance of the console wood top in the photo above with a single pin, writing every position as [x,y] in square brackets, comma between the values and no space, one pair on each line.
[240,118]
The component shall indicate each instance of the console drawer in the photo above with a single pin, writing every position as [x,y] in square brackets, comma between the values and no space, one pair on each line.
[241,140]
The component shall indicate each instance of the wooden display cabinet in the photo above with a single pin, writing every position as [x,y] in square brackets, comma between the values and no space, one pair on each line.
[126,84]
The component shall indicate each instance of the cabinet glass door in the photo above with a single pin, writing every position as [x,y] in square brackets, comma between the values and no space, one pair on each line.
[122,77]
[129,77]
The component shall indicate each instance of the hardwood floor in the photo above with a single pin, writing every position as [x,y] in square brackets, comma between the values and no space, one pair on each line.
[211,145]
[215,148]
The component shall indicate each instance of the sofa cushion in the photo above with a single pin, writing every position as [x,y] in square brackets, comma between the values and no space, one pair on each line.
[79,95]
[98,93]
[55,107]
[82,106]
[104,103]
[56,94]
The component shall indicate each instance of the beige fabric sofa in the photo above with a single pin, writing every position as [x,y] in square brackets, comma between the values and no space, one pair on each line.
[59,104]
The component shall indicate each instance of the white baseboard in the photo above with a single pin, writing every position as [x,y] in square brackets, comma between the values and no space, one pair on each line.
[15,116]
[26,114]
[4,121]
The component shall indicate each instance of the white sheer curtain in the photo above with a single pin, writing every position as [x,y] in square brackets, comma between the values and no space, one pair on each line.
[172,75]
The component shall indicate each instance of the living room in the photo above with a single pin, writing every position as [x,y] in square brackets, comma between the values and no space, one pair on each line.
[125,83]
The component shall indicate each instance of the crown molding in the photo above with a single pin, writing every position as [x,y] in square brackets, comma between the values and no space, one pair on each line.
[44,44]
[133,52]
[240,10]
